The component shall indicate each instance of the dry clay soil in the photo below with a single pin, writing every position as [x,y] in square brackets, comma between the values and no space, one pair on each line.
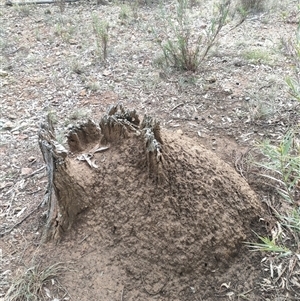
[135,243]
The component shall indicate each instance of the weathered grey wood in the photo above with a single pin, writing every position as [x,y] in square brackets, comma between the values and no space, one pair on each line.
[12,3]
[64,197]
[67,193]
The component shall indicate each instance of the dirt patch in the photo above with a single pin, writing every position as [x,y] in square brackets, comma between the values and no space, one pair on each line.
[166,214]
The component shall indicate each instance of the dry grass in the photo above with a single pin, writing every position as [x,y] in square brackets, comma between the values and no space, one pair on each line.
[31,283]
[253,5]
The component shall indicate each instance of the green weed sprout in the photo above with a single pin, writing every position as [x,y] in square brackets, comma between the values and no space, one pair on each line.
[293,82]
[101,32]
[282,165]
[184,49]
[269,245]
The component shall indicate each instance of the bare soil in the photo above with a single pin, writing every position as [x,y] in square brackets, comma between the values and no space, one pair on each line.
[170,224]
[137,241]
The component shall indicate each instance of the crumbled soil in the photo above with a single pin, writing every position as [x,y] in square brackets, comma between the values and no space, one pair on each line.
[49,64]
[170,225]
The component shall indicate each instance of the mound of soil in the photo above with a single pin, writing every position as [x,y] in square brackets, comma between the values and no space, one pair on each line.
[163,205]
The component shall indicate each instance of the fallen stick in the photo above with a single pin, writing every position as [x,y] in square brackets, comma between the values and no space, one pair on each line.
[35,172]
[10,3]
[177,106]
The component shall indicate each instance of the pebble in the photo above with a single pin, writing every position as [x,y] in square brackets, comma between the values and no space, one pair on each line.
[26,171]
[73,42]
[22,137]
[68,93]
[8,125]
[11,116]
[31,159]
[179,132]
[82,93]
[106,72]
[3,73]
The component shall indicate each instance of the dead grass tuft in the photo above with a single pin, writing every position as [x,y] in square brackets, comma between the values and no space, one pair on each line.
[253,5]
[31,283]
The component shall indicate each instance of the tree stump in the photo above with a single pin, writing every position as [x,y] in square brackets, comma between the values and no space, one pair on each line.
[151,191]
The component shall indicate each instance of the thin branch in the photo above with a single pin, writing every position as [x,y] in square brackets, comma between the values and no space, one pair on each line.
[10,3]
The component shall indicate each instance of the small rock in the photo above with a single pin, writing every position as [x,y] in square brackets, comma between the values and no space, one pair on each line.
[8,125]
[12,116]
[31,159]
[22,137]
[68,93]
[73,42]
[26,171]
[195,116]
[106,72]
[3,73]
[82,92]
[211,80]
[179,132]
[228,91]
[15,160]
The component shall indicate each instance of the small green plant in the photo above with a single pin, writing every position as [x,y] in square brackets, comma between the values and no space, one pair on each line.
[52,115]
[24,10]
[252,5]
[269,245]
[134,5]
[3,43]
[258,56]
[100,29]
[281,252]
[30,284]
[259,109]
[183,48]
[93,86]
[292,221]
[65,31]
[61,5]
[129,11]
[78,114]
[293,81]
[76,66]
[124,12]
[281,165]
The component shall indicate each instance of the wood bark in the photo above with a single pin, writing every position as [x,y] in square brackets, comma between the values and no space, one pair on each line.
[66,197]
